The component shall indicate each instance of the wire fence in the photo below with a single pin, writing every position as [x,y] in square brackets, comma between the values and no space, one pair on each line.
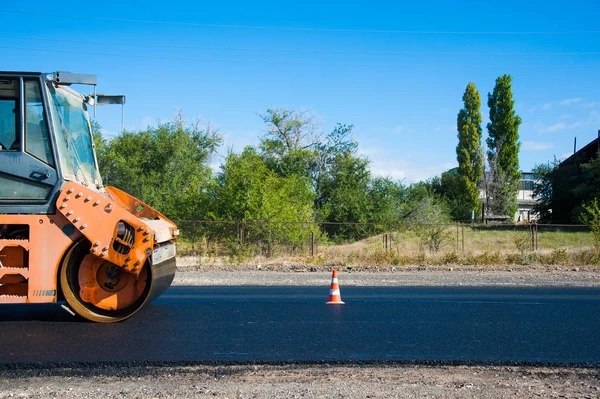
[273,239]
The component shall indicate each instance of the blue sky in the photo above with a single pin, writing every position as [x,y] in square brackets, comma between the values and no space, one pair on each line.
[395,70]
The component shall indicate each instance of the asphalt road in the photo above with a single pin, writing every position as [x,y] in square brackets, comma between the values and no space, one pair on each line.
[293,324]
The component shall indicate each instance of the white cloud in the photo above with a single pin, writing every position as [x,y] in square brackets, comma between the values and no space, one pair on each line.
[561,126]
[535,146]
[570,101]
[556,126]
[394,174]
[409,173]
[544,107]
[410,167]
[370,152]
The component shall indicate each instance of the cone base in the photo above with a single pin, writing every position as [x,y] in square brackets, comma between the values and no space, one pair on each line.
[335,303]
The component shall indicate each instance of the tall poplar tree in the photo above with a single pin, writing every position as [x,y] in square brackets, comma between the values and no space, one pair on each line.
[468,150]
[503,149]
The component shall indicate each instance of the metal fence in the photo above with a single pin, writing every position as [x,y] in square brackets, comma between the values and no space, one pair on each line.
[271,239]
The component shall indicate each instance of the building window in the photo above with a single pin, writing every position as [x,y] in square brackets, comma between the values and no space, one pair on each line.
[527,185]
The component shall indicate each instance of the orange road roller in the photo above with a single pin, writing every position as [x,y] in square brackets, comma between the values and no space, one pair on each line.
[63,235]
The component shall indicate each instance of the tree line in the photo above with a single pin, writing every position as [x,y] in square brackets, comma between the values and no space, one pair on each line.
[300,173]
[297,173]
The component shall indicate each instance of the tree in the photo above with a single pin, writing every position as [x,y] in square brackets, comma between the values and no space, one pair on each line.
[591,217]
[345,196]
[294,145]
[338,143]
[165,166]
[542,190]
[289,130]
[100,145]
[387,200]
[503,149]
[468,155]
[246,190]
[452,187]
[588,190]
[429,221]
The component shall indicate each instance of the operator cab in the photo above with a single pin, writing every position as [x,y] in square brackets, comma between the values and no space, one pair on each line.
[45,138]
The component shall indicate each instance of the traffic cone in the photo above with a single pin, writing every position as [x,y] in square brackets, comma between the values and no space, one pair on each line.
[334,292]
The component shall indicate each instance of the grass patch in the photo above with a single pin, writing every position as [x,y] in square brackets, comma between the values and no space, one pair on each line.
[482,246]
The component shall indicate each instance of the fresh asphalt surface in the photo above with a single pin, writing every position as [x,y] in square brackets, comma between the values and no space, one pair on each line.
[293,324]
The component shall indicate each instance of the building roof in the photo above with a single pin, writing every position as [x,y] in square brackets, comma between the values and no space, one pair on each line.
[586,152]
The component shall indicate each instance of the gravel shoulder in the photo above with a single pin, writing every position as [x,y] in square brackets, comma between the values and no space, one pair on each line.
[191,272]
[400,278]
[303,381]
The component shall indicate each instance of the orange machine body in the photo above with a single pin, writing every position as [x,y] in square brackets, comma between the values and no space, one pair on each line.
[63,235]
[29,266]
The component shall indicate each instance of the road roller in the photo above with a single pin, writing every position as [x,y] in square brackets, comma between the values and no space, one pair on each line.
[64,236]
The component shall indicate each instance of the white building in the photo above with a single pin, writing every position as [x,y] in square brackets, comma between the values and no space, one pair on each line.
[525,199]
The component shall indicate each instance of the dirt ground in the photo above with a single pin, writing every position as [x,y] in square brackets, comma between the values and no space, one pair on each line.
[303,381]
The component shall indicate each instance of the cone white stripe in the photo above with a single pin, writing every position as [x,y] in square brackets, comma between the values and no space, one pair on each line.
[334,280]
[334,292]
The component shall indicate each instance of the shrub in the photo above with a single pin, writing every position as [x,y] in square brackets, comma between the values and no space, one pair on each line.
[451,258]
[558,257]
[591,217]
[429,223]
[522,242]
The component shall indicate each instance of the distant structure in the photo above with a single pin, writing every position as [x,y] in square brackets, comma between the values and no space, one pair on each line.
[525,203]
[568,175]
[525,200]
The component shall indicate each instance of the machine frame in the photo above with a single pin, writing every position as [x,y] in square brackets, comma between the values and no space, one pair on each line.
[103,251]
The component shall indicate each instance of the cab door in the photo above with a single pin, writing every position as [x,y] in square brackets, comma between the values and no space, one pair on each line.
[28,173]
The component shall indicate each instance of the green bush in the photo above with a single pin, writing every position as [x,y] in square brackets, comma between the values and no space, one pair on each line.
[591,217]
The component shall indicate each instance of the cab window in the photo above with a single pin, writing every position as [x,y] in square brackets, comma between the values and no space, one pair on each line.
[37,138]
[9,114]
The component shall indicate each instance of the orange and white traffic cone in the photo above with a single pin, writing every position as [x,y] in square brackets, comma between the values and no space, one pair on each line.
[334,292]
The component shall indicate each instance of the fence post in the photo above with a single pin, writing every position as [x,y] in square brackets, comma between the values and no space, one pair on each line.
[462,230]
[312,244]
[536,237]
[242,233]
[456,236]
[532,233]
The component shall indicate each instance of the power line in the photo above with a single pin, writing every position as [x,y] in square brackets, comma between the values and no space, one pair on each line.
[435,66]
[304,29]
[314,51]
